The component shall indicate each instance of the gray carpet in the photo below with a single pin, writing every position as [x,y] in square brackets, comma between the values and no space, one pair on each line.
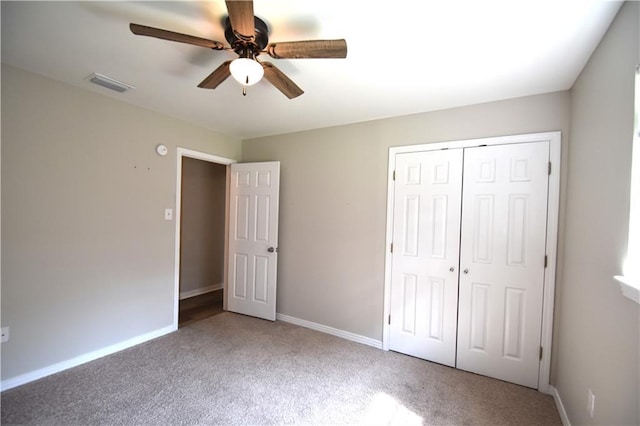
[232,369]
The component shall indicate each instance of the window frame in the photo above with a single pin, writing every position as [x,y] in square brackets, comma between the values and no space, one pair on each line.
[630,279]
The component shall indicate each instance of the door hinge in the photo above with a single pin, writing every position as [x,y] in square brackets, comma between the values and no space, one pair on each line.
[394,175]
[549,168]
[545,260]
[540,352]
[389,320]
[391,247]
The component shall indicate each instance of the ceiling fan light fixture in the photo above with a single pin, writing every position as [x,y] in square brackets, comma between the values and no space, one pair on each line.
[246,71]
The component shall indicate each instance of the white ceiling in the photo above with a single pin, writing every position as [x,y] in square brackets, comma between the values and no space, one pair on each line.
[404,56]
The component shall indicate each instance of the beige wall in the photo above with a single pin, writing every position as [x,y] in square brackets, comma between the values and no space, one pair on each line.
[598,327]
[333,201]
[202,226]
[87,257]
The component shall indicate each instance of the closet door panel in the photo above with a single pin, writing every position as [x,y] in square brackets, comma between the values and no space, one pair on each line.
[502,249]
[426,233]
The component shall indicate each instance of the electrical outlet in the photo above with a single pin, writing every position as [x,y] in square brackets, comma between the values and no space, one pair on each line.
[591,402]
[5,334]
[168,214]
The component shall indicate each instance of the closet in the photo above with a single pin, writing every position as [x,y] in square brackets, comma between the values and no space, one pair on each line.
[468,256]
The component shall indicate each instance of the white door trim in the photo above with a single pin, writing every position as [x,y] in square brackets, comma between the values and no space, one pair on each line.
[184,152]
[554,139]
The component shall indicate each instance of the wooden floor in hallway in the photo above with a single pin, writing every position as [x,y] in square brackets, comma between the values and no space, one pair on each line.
[200,307]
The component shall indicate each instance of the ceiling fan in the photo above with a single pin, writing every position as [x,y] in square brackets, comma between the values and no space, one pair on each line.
[248,37]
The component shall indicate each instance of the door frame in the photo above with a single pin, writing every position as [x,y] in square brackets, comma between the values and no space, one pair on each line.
[553,208]
[180,154]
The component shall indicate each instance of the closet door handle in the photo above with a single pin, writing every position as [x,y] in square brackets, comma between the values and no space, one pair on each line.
[452,269]
[466,271]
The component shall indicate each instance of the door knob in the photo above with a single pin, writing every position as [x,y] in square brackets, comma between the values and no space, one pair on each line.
[466,271]
[271,249]
[451,269]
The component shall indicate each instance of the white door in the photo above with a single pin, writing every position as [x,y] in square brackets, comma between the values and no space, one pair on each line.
[426,232]
[502,258]
[253,239]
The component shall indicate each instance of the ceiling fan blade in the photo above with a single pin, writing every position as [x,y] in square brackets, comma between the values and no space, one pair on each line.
[241,17]
[281,81]
[308,49]
[214,79]
[173,36]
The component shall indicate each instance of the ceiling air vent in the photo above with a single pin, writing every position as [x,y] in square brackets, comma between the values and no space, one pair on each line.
[109,83]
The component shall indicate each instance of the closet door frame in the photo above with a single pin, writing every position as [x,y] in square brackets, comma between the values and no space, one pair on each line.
[553,208]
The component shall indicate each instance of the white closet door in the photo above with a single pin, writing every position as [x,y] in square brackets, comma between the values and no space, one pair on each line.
[504,218]
[426,232]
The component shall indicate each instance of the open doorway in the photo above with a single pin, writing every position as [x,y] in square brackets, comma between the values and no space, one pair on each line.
[201,207]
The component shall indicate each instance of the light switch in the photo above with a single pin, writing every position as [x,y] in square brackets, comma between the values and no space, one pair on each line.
[168,214]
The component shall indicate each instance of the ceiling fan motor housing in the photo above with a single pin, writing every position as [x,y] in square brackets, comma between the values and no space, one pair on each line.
[243,46]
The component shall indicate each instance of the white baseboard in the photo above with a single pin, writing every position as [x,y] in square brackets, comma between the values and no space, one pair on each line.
[201,290]
[560,406]
[330,330]
[74,362]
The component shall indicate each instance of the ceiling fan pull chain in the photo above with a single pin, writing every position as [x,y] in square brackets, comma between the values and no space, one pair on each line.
[244,87]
